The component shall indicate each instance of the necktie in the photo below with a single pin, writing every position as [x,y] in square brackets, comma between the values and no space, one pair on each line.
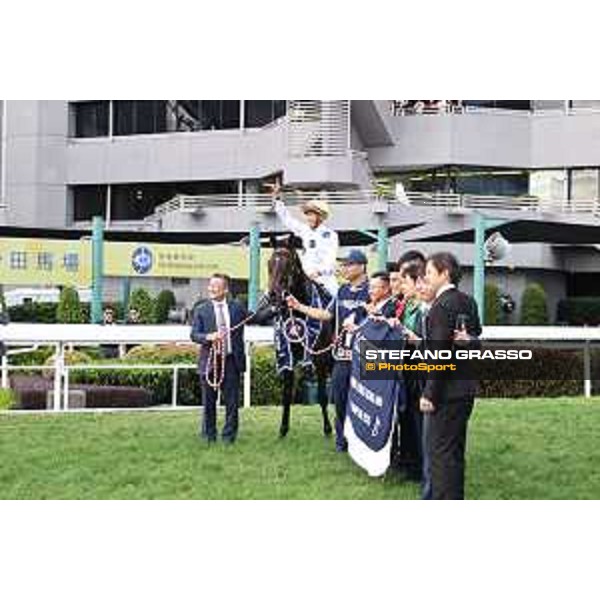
[222,325]
[400,307]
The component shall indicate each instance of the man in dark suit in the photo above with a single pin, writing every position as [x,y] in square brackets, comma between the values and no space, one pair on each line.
[3,321]
[212,323]
[447,401]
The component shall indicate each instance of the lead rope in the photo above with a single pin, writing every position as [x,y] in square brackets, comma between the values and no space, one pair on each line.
[213,375]
[293,324]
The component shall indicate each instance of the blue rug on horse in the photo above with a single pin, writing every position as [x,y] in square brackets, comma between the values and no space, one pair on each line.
[302,327]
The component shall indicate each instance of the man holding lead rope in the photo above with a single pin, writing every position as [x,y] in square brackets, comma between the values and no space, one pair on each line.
[218,326]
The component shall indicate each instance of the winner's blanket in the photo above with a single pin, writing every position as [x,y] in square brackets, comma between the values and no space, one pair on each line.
[306,328]
[372,408]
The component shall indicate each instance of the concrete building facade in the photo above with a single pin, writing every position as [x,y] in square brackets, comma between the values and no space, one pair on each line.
[63,162]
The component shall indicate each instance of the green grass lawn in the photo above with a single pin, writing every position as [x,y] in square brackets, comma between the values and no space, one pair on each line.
[517,449]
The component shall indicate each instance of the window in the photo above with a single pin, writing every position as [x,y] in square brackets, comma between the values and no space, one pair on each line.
[262,112]
[138,200]
[219,114]
[71,262]
[584,105]
[492,183]
[18,260]
[183,115]
[140,116]
[137,117]
[500,104]
[44,261]
[584,184]
[470,181]
[198,115]
[90,118]
[159,116]
[89,201]
[549,185]
[551,105]
[230,114]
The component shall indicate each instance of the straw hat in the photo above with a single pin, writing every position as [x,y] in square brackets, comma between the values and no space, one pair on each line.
[320,206]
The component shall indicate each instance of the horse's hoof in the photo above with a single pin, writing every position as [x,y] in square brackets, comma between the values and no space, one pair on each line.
[327,431]
[283,431]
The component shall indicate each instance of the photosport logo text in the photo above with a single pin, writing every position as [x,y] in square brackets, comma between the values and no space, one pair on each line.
[444,360]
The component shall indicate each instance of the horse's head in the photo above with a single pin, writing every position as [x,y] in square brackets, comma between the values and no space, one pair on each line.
[285,270]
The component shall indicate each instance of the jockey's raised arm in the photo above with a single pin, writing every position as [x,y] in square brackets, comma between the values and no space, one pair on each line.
[296,226]
[320,243]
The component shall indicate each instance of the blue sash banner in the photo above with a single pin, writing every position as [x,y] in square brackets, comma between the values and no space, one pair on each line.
[372,407]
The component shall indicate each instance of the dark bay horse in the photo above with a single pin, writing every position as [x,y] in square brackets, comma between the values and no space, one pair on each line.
[286,277]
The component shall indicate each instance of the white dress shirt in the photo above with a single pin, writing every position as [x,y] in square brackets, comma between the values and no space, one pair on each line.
[216,306]
[443,289]
[320,247]
[381,304]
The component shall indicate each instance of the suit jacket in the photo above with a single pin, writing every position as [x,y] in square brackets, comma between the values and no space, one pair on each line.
[205,322]
[3,321]
[440,326]
[388,310]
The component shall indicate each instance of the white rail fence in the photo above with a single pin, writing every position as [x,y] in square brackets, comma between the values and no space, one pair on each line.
[61,337]
[426,200]
[64,336]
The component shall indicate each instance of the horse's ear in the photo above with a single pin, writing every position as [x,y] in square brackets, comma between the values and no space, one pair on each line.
[294,242]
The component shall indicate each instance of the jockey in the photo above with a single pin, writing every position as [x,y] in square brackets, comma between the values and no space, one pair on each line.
[320,243]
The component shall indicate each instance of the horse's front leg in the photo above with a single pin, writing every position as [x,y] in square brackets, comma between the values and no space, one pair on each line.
[323,399]
[286,402]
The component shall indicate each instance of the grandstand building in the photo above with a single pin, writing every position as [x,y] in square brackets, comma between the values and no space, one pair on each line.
[422,168]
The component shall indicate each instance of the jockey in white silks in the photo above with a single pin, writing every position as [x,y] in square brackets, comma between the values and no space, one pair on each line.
[320,243]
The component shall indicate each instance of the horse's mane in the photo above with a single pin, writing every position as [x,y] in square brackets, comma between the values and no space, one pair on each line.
[290,245]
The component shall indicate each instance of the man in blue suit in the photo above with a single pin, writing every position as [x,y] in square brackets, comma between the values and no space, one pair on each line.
[212,322]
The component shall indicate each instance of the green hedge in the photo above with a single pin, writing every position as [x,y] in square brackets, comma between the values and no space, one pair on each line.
[534,306]
[266,385]
[164,302]
[7,399]
[142,301]
[72,357]
[158,382]
[35,357]
[492,304]
[579,311]
[69,308]
[33,312]
[565,365]
[42,355]
[46,312]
